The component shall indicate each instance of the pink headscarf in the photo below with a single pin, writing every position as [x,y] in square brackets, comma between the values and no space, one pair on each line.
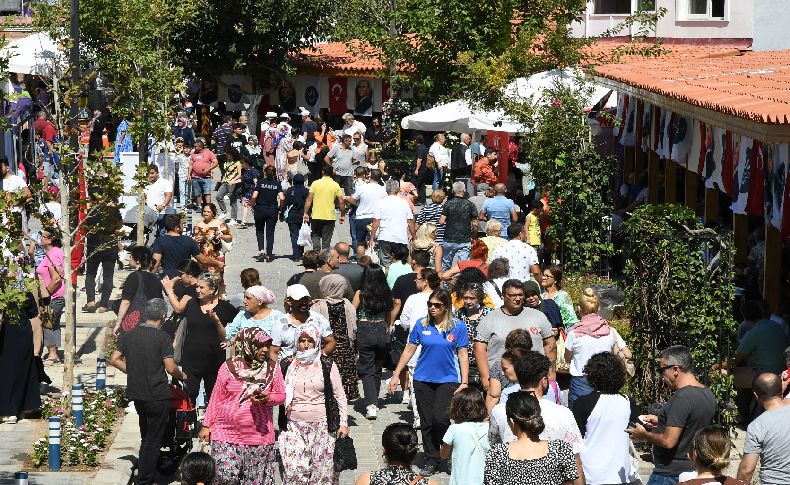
[262,294]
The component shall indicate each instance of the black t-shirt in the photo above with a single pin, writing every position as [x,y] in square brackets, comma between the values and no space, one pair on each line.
[310,127]
[152,287]
[458,223]
[240,145]
[267,193]
[293,280]
[174,250]
[404,287]
[690,408]
[295,198]
[144,348]
[104,236]
[202,352]
[352,272]
[422,154]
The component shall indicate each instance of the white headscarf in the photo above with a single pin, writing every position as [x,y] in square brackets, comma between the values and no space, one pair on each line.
[302,358]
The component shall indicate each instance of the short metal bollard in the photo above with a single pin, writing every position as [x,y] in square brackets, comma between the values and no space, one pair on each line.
[76,404]
[20,478]
[101,373]
[54,444]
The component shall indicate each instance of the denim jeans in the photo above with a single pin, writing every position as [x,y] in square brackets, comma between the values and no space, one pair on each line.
[449,250]
[361,230]
[438,177]
[201,186]
[662,480]
[578,387]
[296,250]
[352,226]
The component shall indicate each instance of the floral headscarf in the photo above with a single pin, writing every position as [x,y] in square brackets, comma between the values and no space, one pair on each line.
[256,375]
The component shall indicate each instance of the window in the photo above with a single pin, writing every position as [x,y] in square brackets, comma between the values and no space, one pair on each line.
[709,9]
[619,7]
[646,5]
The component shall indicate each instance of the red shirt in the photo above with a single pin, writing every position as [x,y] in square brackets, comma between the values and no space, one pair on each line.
[201,161]
[39,125]
[49,132]
[482,172]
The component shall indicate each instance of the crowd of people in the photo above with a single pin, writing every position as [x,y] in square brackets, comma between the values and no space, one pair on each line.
[456,292]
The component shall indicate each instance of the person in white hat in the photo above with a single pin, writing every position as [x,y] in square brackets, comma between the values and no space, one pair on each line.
[309,127]
[285,331]
[266,140]
[353,126]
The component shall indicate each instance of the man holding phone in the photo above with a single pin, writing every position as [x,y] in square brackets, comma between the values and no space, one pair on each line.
[671,431]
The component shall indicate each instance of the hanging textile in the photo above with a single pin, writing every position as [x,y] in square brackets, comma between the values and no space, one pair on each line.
[742,156]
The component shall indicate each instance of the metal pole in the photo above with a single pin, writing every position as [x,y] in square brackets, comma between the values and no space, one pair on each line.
[76,405]
[76,72]
[54,444]
[101,373]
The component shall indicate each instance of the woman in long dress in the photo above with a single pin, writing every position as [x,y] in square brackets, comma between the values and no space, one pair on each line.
[19,383]
[123,140]
[342,318]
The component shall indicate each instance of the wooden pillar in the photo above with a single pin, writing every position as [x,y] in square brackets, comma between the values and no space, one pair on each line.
[711,205]
[670,182]
[640,163]
[772,267]
[654,173]
[628,164]
[690,197]
[740,230]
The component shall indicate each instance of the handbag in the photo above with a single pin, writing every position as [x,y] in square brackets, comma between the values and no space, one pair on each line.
[134,315]
[373,254]
[227,246]
[345,456]
[178,342]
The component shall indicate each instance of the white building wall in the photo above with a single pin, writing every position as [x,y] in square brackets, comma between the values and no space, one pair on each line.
[773,18]
[676,24]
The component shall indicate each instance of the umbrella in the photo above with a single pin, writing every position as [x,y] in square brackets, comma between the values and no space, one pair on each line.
[460,117]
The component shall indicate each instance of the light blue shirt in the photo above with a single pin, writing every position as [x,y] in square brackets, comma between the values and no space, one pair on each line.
[499,208]
[470,444]
[244,320]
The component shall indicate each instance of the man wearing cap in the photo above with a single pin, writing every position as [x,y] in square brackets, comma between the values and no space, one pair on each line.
[285,118]
[483,193]
[201,163]
[285,332]
[352,126]
[309,127]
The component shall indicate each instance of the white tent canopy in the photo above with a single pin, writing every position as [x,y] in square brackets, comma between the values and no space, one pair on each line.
[459,116]
[35,54]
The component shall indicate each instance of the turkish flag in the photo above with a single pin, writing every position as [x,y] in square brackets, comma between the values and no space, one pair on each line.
[755,205]
[337,95]
[499,140]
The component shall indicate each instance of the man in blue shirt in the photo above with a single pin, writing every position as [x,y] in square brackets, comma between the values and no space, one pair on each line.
[499,208]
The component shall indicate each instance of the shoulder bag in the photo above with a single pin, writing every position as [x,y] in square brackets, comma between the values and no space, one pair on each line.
[134,315]
[178,342]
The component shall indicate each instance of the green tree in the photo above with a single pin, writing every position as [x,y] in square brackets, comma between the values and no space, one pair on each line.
[251,37]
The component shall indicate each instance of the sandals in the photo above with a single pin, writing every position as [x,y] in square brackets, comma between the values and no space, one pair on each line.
[51,362]
[88,308]
[243,225]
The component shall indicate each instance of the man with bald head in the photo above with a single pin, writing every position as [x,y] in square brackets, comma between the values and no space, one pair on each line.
[767,437]
[351,270]
[499,208]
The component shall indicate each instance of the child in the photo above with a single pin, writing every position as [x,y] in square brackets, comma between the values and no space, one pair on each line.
[467,438]
[710,453]
[249,177]
[532,224]
[197,468]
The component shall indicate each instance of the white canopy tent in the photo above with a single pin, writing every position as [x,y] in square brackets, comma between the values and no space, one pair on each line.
[459,116]
[35,54]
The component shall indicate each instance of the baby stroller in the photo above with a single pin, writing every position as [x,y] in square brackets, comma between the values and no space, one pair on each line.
[181,427]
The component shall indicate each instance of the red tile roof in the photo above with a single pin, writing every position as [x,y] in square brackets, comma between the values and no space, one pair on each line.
[749,85]
[338,58]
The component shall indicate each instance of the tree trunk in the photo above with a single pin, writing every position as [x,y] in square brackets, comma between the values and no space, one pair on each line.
[69,331]
[142,159]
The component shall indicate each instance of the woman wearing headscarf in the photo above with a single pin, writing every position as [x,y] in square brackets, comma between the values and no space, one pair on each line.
[342,318]
[316,410]
[257,312]
[239,416]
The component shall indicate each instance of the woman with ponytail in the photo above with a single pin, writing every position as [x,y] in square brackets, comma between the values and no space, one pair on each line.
[399,447]
[530,460]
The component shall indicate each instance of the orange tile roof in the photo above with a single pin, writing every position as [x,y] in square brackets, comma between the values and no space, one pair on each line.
[750,85]
[337,57]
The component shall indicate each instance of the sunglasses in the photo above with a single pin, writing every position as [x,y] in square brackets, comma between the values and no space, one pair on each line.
[433,304]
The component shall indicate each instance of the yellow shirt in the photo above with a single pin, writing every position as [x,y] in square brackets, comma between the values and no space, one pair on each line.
[325,191]
[533,230]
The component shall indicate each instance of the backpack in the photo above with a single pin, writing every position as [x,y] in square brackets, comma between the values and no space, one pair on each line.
[135,313]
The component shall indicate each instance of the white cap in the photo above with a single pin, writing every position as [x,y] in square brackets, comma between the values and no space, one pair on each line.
[297,292]
[347,116]
[285,115]
[303,111]
[270,115]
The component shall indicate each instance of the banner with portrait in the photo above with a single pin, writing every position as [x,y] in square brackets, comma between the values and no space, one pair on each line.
[285,96]
[361,96]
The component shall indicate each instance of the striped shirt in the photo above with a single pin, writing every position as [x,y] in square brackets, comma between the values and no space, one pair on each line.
[222,136]
[431,213]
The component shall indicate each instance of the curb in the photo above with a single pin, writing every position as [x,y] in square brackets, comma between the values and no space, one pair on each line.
[121,458]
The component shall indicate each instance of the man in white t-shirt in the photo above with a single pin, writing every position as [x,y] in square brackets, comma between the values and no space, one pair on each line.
[393,222]
[532,371]
[353,126]
[158,195]
[366,198]
[522,257]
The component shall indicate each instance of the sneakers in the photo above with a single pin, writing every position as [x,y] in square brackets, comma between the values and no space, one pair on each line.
[231,222]
[428,470]
[9,420]
[406,399]
[372,412]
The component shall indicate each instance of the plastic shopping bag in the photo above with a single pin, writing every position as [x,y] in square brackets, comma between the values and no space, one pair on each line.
[305,237]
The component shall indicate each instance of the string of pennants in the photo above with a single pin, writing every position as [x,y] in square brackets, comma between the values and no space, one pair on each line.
[752,173]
